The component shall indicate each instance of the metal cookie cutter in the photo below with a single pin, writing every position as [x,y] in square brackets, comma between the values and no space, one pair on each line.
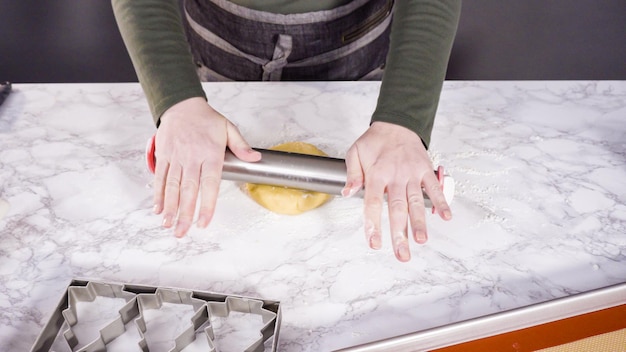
[140,298]
[89,293]
[250,306]
[199,319]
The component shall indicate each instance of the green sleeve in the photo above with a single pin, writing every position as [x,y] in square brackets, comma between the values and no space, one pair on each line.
[422,34]
[156,43]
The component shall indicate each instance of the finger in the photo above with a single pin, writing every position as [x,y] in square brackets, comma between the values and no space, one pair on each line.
[435,194]
[373,206]
[238,145]
[210,177]
[172,194]
[398,218]
[160,175]
[188,196]
[417,218]
[354,174]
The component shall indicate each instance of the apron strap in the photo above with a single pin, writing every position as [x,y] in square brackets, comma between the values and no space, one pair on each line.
[273,70]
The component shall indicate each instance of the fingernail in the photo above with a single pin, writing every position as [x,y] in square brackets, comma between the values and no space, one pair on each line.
[375,242]
[203,222]
[347,189]
[181,229]
[167,221]
[252,151]
[403,252]
[447,214]
[373,236]
[421,237]
[156,209]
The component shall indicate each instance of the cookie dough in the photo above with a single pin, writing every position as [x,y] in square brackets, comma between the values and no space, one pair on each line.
[285,200]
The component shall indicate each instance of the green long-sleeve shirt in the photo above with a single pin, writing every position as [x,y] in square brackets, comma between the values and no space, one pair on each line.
[422,34]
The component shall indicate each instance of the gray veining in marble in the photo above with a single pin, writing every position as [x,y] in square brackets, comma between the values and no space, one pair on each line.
[539,211]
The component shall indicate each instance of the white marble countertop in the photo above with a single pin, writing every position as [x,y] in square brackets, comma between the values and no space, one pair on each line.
[539,211]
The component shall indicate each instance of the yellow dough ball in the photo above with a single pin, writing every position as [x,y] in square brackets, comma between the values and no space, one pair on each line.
[286,200]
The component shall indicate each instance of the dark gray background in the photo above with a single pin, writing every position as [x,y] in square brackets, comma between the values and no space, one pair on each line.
[78,41]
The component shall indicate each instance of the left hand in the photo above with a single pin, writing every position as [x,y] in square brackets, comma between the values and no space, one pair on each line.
[391,159]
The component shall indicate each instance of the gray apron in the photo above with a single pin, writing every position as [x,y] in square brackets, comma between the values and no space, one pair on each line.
[231,42]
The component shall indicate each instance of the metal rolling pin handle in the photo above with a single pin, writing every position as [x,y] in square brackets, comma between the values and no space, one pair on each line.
[310,172]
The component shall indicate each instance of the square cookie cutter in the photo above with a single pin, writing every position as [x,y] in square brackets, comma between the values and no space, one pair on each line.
[139,298]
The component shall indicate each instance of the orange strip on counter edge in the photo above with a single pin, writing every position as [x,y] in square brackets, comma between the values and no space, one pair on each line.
[548,335]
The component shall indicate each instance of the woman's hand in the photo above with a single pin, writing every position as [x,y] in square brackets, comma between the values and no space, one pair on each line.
[190,145]
[391,159]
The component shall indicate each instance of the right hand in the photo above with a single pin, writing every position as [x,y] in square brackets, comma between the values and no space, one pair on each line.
[392,159]
[190,145]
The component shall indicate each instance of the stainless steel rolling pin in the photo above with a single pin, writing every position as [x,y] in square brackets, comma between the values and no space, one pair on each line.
[310,172]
